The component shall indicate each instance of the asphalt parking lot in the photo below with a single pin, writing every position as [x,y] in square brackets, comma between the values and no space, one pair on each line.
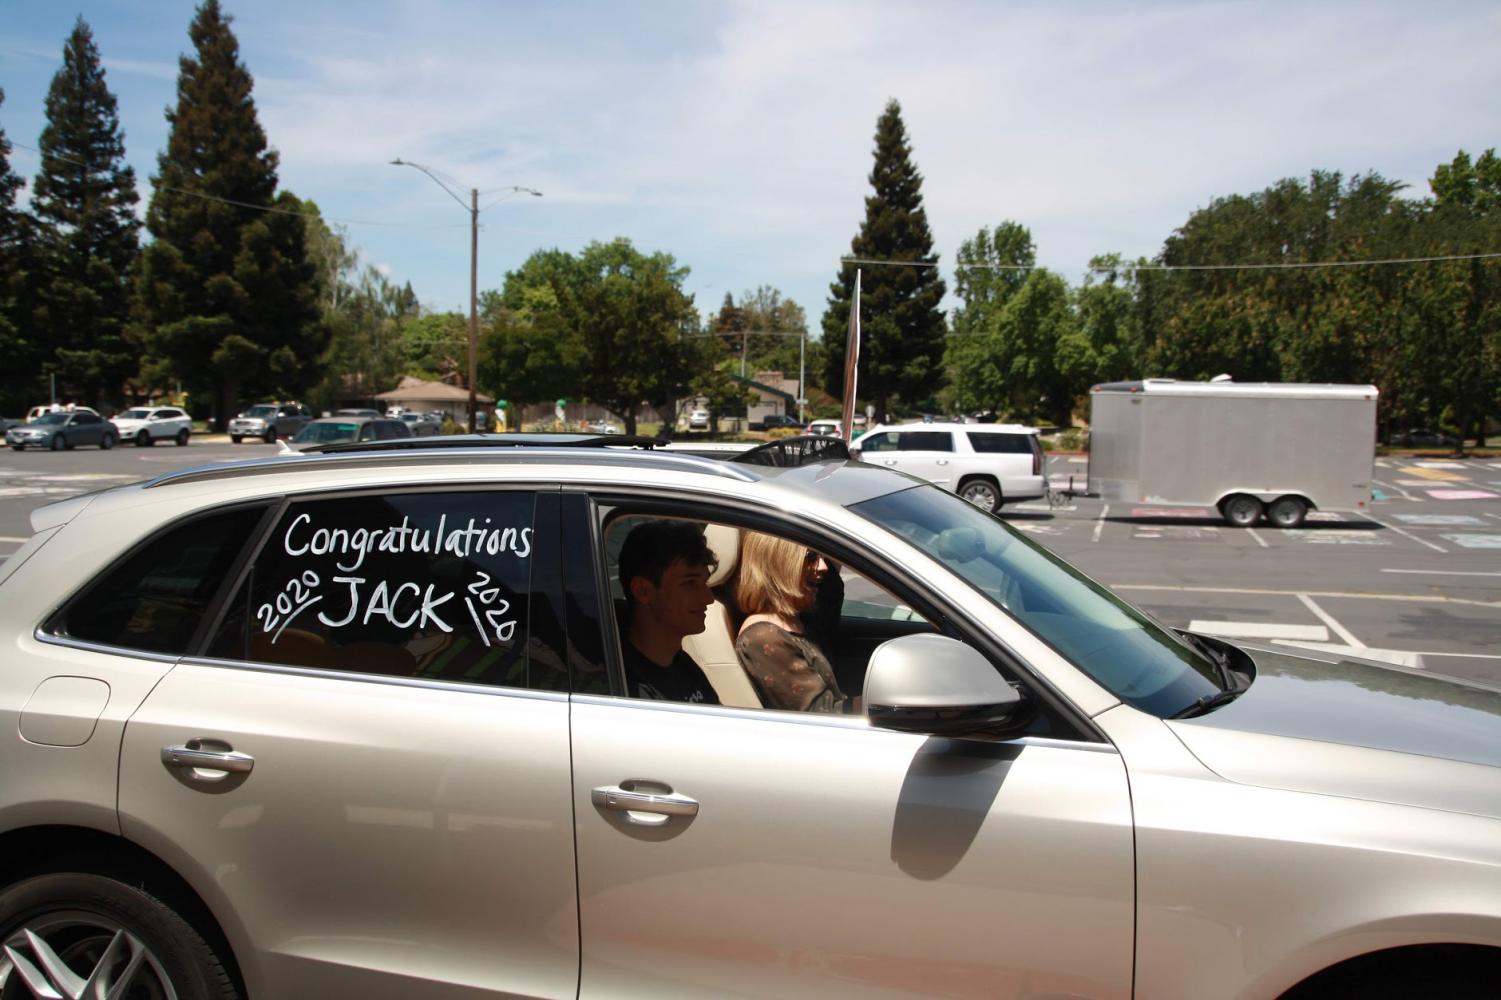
[1416,582]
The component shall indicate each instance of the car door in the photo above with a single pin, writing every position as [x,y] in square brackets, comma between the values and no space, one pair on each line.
[788,854]
[366,773]
[928,455]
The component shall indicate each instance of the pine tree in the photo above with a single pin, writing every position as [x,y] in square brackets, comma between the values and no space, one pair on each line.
[901,327]
[84,199]
[18,376]
[226,294]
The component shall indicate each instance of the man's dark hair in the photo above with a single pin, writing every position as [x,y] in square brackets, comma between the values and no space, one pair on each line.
[652,546]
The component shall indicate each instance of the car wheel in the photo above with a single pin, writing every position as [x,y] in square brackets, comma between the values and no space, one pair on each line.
[234,438]
[983,493]
[68,933]
[1241,510]
[107,442]
[18,447]
[143,439]
[182,438]
[58,444]
[270,435]
[1287,512]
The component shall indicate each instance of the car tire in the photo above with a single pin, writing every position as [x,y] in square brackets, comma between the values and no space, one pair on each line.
[182,438]
[270,435]
[1241,510]
[18,447]
[1287,512]
[234,438]
[97,926]
[143,439]
[983,492]
[58,444]
[106,442]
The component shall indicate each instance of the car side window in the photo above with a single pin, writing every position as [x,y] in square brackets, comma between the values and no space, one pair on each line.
[156,597]
[880,441]
[996,443]
[425,585]
[925,441]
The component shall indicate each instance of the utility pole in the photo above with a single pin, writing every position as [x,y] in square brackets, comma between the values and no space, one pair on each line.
[473,304]
[473,209]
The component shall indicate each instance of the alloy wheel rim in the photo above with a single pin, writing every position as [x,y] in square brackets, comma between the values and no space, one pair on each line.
[76,955]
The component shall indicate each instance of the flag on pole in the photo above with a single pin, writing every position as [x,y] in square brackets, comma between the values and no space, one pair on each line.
[851,363]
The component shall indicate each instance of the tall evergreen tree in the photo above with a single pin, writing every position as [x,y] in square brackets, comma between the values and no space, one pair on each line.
[902,330]
[17,375]
[84,200]
[226,292]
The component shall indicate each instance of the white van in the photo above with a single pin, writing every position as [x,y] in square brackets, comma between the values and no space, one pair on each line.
[986,464]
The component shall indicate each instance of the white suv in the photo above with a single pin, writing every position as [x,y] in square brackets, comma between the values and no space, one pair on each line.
[146,425]
[986,464]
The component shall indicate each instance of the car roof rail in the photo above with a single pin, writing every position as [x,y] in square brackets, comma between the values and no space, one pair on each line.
[371,458]
[493,440]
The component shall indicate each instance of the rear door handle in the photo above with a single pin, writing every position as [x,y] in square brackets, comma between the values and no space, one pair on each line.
[190,756]
[627,798]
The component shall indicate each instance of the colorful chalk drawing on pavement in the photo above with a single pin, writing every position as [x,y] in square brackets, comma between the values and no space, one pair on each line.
[1325,536]
[1440,465]
[1463,495]
[1470,540]
[1177,533]
[1438,519]
[1434,474]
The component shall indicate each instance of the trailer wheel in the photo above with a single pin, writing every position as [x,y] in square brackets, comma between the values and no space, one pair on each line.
[1287,512]
[1241,510]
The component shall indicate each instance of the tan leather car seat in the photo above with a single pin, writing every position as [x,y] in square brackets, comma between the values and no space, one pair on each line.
[714,647]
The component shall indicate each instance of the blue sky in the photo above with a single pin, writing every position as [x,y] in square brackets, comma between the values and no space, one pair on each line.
[737,136]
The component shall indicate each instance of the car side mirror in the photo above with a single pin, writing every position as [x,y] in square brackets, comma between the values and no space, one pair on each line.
[932,684]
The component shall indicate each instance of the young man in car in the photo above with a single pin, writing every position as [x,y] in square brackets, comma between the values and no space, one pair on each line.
[664,571]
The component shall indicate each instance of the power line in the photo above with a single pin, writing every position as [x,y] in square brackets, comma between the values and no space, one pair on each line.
[1291,265]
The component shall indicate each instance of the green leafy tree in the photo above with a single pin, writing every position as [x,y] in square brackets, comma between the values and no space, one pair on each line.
[226,294]
[88,237]
[902,329]
[1012,366]
[991,267]
[1104,344]
[611,325]
[19,385]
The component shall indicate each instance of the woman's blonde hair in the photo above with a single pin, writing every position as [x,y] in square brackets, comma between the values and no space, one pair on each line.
[770,578]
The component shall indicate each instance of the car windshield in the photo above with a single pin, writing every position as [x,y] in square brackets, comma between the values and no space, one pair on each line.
[261,411]
[51,418]
[1136,659]
[137,414]
[327,433]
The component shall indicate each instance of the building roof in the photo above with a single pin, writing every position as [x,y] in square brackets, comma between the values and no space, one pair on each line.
[416,390]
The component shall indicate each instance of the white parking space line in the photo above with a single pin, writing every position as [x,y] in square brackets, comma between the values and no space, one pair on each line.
[1400,657]
[1392,487]
[1078,461]
[1260,630]
[1099,524]
[11,538]
[1328,619]
[1175,588]
[1408,534]
[1259,540]
[1496,516]
[1445,572]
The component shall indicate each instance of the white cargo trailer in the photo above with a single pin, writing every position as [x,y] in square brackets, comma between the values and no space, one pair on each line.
[1248,449]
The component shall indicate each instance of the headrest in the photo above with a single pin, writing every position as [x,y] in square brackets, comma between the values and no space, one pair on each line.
[724,542]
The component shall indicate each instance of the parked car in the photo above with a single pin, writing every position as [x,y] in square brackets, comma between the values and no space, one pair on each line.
[420,424]
[986,464]
[146,425]
[65,429]
[824,428]
[355,724]
[44,409]
[269,421]
[6,423]
[698,420]
[1422,437]
[341,430]
[775,421]
[356,411]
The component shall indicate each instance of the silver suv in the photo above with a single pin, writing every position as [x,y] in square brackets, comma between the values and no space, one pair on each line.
[269,421]
[986,464]
[354,725]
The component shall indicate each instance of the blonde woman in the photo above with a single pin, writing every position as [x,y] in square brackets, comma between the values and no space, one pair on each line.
[778,581]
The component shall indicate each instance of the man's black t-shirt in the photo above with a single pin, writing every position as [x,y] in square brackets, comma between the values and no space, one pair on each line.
[681,680]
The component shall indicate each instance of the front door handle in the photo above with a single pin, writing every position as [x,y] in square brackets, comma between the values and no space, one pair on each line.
[943,461]
[190,756]
[628,798]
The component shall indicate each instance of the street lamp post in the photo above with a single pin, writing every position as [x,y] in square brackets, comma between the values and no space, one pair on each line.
[473,209]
